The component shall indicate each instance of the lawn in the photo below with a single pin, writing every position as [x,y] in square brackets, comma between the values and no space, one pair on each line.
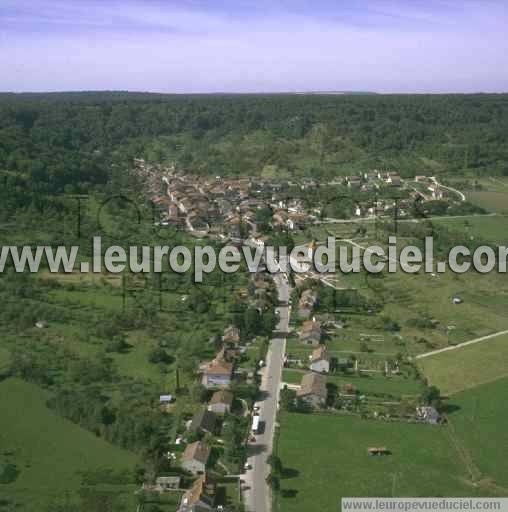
[372,384]
[50,451]
[467,367]
[325,459]
[481,423]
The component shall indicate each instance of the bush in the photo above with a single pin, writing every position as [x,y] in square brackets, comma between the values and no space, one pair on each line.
[8,473]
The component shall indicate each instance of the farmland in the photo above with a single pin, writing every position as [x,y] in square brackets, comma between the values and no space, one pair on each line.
[51,453]
[481,423]
[490,228]
[408,297]
[325,458]
[491,201]
[469,366]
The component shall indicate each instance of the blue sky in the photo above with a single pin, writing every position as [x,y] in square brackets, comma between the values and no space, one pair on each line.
[254,45]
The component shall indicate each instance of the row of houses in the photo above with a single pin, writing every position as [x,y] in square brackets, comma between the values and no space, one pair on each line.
[373,179]
[216,374]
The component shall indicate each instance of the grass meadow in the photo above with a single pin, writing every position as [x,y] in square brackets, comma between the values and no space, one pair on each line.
[467,367]
[325,458]
[481,424]
[51,452]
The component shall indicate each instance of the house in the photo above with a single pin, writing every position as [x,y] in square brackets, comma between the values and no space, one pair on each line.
[279,218]
[200,497]
[295,206]
[195,457]
[437,192]
[204,421]
[393,180]
[313,389]
[370,176]
[320,361]
[173,210]
[428,414]
[310,332]
[308,300]
[390,178]
[217,373]
[231,335]
[233,226]
[196,221]
[166,483]
[260,240]
[221,402]
[353,181]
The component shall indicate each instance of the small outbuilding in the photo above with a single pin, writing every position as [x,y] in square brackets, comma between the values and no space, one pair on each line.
[378,451]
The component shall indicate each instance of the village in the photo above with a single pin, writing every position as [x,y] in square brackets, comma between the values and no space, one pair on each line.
[252,210]
[242,208]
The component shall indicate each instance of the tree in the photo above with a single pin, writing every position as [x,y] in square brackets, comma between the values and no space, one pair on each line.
[159,355]
[364,347]
[432,396]
[252,322]
[117,344]
[273,482]
[276,465]
[287,399]
[198,393]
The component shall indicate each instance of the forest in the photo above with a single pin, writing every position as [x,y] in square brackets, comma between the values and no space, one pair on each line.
[73,142]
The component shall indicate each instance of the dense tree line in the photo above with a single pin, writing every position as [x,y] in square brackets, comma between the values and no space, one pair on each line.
[52,143]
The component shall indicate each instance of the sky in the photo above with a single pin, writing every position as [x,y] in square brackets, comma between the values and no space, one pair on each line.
[196,46]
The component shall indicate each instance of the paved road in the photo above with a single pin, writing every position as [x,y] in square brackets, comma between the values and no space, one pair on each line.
[257,495]
[360,220]
[451,189]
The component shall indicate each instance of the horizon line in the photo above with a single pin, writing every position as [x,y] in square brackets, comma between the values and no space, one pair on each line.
[330,92]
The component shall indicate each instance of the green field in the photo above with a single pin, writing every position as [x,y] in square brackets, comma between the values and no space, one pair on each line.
[492,229]
[467,367]
[492,201]
[50,451]
[325,459]
[491,193]
[481,423]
